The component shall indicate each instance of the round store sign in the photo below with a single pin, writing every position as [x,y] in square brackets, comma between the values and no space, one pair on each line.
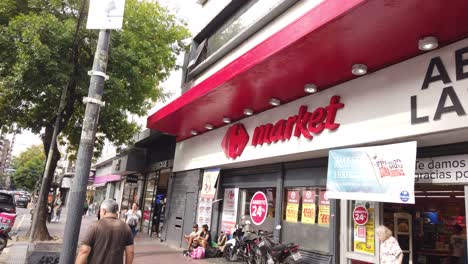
[360,215]
[258,208]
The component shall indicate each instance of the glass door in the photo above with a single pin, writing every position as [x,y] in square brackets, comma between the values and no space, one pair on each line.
[358,222]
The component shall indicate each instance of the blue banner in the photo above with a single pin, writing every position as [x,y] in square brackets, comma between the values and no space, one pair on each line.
[380,173]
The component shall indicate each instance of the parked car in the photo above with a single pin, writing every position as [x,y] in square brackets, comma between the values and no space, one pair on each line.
[7,203]
[22,201]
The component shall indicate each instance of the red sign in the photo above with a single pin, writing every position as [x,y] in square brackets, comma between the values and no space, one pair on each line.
[258,208]
[234,141]
[360,215]
[305,123]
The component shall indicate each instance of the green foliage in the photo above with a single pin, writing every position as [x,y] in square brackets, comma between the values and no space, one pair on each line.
[44,47]
[29,167]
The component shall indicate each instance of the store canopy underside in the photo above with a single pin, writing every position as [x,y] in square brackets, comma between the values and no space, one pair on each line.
[320,48]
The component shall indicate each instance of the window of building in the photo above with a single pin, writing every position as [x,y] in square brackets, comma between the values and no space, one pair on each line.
[246,197]
[236,23]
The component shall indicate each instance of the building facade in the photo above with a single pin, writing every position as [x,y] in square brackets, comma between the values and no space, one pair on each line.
[270,87]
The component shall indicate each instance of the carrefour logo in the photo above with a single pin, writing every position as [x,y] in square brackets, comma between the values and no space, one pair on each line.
[304,124]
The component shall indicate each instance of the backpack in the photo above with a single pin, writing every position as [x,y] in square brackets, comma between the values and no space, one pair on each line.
[198,253]
[132,222]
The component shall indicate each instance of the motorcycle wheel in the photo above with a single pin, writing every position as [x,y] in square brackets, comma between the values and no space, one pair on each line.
[289,260]
[3,243]
[258,257]
[229,253]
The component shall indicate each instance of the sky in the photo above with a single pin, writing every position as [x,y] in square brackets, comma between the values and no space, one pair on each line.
[184,9]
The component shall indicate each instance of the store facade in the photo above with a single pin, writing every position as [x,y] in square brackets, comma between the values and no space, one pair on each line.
[406,101]
[268,113]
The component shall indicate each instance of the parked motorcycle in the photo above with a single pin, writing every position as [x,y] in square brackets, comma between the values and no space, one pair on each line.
[243,246]
[7,221]
[275,253]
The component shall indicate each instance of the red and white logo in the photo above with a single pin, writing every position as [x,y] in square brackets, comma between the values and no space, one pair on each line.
[235,141]
[258,208]
[305,124]
[360,215]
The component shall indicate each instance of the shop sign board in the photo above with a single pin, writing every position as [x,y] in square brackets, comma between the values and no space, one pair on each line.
[132,178]
[308,206]
[207,195]
[421,97]
[292,207]
[442,170]
[381,173]
[229,215]
[364,234]
[258,208]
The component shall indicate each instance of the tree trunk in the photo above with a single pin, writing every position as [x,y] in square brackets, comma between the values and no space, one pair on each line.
[41,232]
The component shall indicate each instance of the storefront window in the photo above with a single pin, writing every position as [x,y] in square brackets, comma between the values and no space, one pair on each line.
[306,213]
[130,195]
[246,197]
[363,226]
[148,201]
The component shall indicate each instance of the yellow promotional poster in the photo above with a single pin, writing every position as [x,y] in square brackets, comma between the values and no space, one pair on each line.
[324,215]
[324,210]
[292,211]
[308,213]
[367,236]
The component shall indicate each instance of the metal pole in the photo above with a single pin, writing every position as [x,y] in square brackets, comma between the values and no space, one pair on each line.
[41,204]
[85,151]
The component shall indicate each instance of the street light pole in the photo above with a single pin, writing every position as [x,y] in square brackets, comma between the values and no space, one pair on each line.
[85,150]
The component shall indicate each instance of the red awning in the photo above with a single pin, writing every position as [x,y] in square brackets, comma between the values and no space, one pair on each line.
[320,48]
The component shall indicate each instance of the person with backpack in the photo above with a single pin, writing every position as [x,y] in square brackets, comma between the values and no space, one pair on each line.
[133,217]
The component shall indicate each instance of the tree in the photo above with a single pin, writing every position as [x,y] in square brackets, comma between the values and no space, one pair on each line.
[28,168]
[44,47]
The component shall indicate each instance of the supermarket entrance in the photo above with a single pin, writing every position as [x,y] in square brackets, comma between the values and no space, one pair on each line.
[433,230]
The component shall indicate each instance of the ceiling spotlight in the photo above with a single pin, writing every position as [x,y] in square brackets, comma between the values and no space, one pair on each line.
[275,102]
[248,112]
[193,132]
[227,120]
[310,88]
[359,69]
[209,126]
[428,43]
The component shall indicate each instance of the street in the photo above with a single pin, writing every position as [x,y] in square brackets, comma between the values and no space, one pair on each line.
[147,250]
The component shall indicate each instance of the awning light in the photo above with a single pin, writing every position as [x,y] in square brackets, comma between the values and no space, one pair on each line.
[193,132]
[359,69]
[209,126]
[275,102]
[310,88]
[226,120]
[428,43]
[248,112]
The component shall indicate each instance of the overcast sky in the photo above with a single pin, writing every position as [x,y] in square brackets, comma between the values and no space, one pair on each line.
[185,9]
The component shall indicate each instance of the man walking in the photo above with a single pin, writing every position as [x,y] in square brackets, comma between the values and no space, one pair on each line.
[107,239]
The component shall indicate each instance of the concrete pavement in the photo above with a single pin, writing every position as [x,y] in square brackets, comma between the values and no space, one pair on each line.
[147,250]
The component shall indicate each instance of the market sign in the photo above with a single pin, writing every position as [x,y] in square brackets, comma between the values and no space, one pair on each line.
[258,208]
[381,173]
[442,170]
[305,124]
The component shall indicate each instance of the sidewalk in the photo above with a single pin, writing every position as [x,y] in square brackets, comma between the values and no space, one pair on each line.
[147,250]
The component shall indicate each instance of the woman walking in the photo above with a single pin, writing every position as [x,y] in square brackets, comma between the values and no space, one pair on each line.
[133,217]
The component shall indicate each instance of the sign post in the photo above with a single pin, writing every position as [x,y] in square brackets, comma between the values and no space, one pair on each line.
[103,15]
